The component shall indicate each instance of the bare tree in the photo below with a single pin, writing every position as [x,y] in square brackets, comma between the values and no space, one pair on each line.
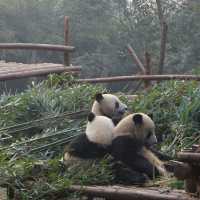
[163,36]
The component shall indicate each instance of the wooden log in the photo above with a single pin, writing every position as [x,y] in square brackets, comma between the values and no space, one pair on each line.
[21,69]
[136,59]
[133,193]
[190,185]
[184,170]
[198,187]
[147,65]
[66,42]
[31,46]
[42,72]
[189,157]
[140,77]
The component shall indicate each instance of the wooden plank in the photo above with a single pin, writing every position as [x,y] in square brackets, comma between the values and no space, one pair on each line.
[140,77]
[131,193]
[32,46]
[37,72]
[17,67]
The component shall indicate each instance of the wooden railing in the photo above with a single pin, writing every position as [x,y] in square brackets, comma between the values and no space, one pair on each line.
[47,47]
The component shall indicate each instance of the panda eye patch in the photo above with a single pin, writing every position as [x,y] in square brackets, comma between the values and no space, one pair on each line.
[116,104]
[149,134]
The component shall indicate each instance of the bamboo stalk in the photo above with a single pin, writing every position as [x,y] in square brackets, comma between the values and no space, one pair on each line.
[41,138]
[50,117]
[58,142]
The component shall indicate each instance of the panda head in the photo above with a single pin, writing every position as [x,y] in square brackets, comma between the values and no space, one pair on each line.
[99,129]
[109,105]
[139,126]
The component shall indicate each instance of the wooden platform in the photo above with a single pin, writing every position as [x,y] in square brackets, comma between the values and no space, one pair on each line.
[12,70]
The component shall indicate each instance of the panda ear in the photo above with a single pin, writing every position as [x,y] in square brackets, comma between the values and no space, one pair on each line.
[150,115]
[137,118]
[91,117]
[99,97]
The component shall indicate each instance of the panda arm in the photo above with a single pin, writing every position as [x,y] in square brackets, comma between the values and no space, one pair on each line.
[155,161]
[124,147]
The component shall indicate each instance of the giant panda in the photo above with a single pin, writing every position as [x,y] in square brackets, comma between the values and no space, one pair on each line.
[110,106]
[132,138]
[94,143]
[107,110]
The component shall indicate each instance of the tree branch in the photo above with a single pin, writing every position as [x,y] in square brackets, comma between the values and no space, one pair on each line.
[163,36]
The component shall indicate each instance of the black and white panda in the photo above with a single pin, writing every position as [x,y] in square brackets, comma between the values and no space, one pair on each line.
[132,138]
[107,110]
[110,106]
[94,143]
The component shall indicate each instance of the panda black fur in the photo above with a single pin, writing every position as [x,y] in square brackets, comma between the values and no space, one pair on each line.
[95,142]
[132,138]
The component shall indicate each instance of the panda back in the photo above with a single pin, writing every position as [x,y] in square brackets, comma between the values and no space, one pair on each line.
[100,130]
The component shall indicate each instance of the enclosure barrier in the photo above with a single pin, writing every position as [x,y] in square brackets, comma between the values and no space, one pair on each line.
[31,46]
[10,71]
[140,77]
[188,169]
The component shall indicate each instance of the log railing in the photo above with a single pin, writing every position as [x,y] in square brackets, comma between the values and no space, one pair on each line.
[66,49]
[140,77]
[32,46]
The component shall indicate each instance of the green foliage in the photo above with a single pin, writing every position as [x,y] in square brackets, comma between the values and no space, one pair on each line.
[176,109]
[176,184]
[46,98]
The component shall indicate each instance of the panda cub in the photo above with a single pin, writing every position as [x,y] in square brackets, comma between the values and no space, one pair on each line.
[96,140]
[132,138]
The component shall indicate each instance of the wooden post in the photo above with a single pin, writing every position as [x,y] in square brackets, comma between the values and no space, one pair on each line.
[66,42]
[147,66]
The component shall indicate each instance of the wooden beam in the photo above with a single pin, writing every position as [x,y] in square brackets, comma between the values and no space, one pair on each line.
[136,59]
[31,46]
[40,72]
[140,77]
[130,193]
[189,157]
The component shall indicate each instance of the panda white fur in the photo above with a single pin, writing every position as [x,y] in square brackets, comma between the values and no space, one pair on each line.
[95,142]
[110,106]
[131,138]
